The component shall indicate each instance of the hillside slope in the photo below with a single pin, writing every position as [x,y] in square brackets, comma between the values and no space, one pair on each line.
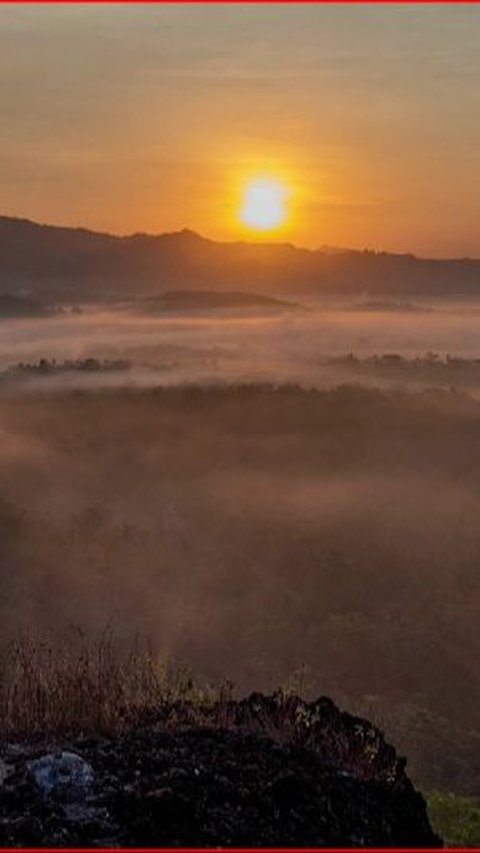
[278,771]
[62,264]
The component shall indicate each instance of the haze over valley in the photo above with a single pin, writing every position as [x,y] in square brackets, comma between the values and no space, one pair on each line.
[240,421]
[130,503]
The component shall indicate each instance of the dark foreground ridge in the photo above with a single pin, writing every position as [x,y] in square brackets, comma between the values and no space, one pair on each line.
[263,771]
[56,264]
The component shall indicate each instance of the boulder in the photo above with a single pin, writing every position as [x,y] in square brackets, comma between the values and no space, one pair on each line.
[63,775]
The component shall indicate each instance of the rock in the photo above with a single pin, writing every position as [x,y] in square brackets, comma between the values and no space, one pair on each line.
[63,775]
[277,772]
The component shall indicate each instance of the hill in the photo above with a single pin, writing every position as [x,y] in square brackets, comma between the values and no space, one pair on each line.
[320,777]
[74,264]
[205,301]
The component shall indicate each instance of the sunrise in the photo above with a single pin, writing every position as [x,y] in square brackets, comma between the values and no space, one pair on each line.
[239,425]
[146,117]
[263,204]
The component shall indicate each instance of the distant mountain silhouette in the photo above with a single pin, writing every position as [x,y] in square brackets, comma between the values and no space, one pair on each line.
[73,264]
[209,300]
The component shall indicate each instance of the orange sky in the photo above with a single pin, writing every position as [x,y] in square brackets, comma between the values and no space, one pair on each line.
[148,117]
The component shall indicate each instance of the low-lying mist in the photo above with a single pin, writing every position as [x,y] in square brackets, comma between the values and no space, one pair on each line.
[220,346]
[253,531]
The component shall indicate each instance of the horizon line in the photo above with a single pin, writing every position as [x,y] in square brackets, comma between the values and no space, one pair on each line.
[322,248]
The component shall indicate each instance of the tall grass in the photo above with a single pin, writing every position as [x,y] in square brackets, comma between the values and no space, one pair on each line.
[75,682]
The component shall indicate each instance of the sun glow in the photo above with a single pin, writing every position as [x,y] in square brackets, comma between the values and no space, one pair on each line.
[263,204]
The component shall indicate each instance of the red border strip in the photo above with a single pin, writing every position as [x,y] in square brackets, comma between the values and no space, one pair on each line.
[256,2]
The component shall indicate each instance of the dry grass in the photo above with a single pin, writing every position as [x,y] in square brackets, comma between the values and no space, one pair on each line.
[73,682]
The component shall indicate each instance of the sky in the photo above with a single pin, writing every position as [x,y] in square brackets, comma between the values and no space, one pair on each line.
[151,117]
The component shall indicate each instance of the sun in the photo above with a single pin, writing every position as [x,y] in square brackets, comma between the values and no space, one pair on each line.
[263,205]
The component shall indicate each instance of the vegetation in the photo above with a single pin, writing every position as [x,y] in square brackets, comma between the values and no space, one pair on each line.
[338,529]
[56,261]
[456,819]
[428,368]
[48,367]
[70,682]
[74,684]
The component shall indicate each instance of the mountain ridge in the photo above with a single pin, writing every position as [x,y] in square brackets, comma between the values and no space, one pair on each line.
[57,262]
[190,233]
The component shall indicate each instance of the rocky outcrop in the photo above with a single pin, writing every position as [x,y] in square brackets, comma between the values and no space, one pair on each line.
[262,771]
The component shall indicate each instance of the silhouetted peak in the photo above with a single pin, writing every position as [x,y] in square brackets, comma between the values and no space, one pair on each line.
[18,224]
[186,235]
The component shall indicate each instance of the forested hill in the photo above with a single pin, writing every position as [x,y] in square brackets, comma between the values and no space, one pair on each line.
[76,264]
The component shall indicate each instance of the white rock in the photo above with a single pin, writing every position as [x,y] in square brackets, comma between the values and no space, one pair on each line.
[63,775]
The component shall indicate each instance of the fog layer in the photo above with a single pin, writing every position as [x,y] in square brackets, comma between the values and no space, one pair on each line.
[288,346]
[253,531]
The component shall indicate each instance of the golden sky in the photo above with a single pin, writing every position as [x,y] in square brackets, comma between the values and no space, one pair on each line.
[139,117]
